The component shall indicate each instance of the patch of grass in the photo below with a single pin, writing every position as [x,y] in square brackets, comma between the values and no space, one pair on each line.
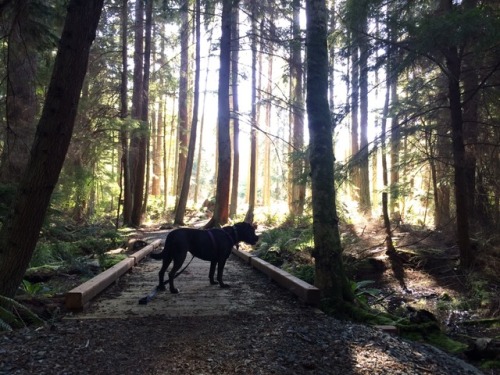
[442,341]
[302,271]
[490,365]
[108,261]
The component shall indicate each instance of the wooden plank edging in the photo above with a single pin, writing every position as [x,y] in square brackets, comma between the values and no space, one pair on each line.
[78,297]
[144,252]
[306,292]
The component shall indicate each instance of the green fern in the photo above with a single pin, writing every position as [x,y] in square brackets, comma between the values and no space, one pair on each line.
[15,315]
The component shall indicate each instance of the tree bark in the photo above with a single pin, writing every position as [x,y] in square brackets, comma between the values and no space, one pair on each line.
[20,233]
[354,170]
[459,166]
[145,160]
[181,206]
[298,190]
[235,49]
[21,98]
[124,133]
[253,120]
[136,114]
[330,275]
[364,175]
[183,129]
[221,210]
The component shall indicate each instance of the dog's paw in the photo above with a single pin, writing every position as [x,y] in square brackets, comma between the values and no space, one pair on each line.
[174,290]
[213,282]
[224,286]
[161,287]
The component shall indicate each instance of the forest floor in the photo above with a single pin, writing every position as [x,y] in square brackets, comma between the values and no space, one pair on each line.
[257,327]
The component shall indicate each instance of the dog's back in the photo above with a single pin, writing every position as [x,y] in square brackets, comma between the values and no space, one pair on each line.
[203,244]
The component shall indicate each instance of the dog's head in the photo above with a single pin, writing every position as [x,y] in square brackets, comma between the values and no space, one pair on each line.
[246,233]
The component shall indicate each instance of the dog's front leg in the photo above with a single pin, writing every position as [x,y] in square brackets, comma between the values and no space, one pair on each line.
[211,274]
[220,271]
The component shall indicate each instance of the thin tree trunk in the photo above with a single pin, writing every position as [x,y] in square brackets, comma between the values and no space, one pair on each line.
[266,190]
[181,206]
[253,120]
[364,175]
[235,49]
[124,134]
[145,138]
[354,117]
[395,148]
[202,123]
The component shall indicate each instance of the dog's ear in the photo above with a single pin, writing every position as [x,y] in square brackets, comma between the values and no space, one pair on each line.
[255,225]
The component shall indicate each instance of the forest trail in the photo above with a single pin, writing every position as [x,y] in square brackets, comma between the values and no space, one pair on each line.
[249,292]
[254,327]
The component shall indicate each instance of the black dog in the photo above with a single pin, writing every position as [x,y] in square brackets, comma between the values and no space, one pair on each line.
[213,245]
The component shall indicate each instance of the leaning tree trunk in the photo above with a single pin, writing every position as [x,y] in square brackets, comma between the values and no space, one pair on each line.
[19,235]
[330,276]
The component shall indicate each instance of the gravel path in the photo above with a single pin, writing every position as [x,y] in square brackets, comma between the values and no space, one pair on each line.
[254,327]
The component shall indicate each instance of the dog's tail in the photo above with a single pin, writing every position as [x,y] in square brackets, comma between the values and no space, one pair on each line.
[157,256]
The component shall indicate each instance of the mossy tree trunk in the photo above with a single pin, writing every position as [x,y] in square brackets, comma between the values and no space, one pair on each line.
[330,275]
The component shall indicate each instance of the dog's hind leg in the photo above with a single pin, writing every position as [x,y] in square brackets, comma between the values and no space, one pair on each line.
[161,274]
[211,274]
[220,271]
[175,268]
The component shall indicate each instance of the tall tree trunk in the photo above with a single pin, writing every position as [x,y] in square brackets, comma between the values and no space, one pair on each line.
[235,50]
[470,125]
[296,74]
[19,235]
[183,129]
[454,69]
[21,98]
[354,118]
[330,275]
[385,170]
[253,120]
[221,210]
[331,55]
[143,191]
[364,176]
[459,166]
[440,170]
[181,206]
[136,114]
[124,133]
[395,148]
[202,123]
